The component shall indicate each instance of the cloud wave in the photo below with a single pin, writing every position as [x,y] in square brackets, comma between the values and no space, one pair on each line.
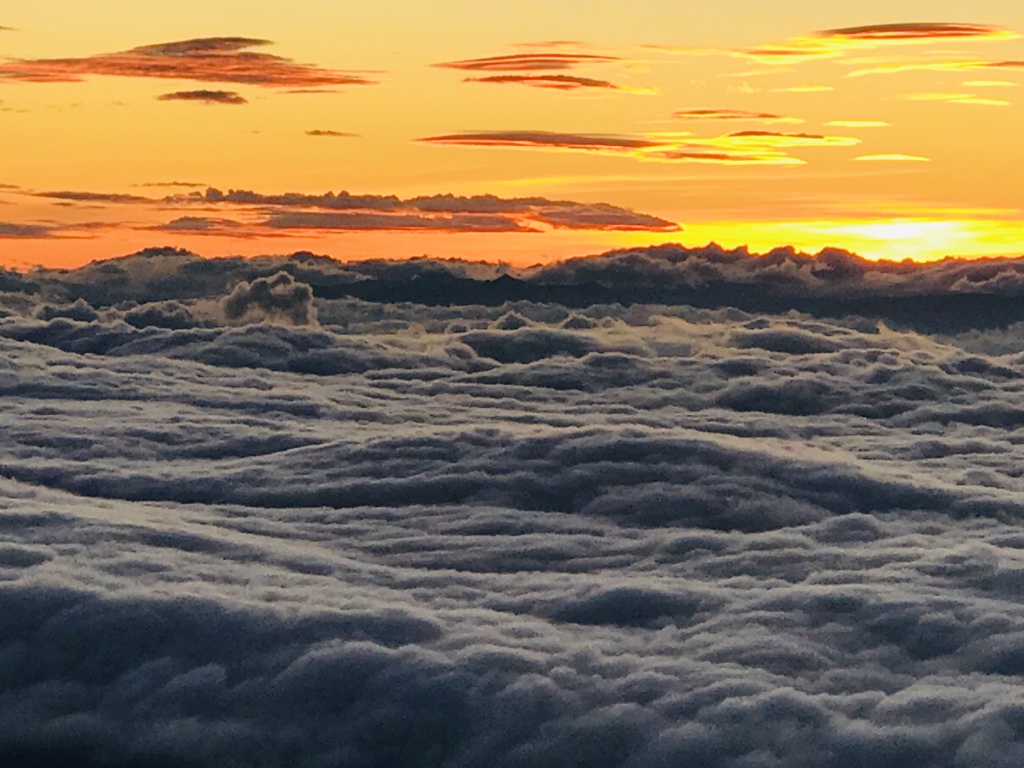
[242,522]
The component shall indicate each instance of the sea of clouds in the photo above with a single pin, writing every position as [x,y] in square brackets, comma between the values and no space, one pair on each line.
[248,518]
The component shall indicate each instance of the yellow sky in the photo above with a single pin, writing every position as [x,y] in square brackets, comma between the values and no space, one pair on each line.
[554,128]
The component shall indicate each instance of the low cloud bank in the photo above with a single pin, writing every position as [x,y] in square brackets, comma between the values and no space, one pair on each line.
[242,522]
[953,295]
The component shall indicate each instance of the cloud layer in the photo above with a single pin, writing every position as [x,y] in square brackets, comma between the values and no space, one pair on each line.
[241,523]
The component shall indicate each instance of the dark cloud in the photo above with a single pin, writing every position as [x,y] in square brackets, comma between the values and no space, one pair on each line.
[205,97]
[213,59]
[395,222]
[13,230]
[542,140]
[525,62]
[556,82]
[335,134]
[480,213]
[277,297]
[174,184]
[603,216]
[205,225]
[93,197]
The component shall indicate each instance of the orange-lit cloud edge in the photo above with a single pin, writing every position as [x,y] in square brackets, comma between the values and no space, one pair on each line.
[250,217]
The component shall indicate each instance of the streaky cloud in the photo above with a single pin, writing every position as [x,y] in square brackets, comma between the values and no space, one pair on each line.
[205,97]
[212,59]
[916,31]
[93,197]
[707,113]
[893,158]
[14,230]
[519,62]
[543,139]
[555,82]
[332,134]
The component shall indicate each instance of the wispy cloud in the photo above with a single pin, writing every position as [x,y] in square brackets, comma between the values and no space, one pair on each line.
[954,98]
[556,82]
[332,134]
[709,113]
[527,62]
[205,97]
[29,231]
[203,225]
[544,140]
[174,184]
[212,59]
[739,148]
[989,84]
[834,43]
[92,197]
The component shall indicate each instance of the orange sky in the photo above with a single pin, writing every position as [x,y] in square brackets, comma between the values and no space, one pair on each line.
[460,129]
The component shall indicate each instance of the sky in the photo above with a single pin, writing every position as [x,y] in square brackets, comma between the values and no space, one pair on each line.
[453,129]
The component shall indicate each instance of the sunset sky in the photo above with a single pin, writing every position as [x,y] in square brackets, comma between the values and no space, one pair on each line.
[527,134]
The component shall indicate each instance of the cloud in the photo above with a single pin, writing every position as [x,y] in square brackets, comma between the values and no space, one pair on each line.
[739,148]
[601,216]
[13,230]
[543,140]
[395,222]
[205,97]
[205,225]
[989,84]
[276,298]
[556,82]
[628,534]
[92,197]
[835,43]
[212,59]
[705,113]
[482,213]
[525,62]
[774,139]
[174,184]
[918,31]
[332,134]
[955,98]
